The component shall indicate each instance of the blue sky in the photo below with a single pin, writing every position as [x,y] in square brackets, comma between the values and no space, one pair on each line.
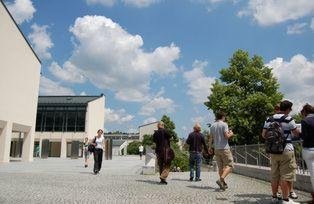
[155,57]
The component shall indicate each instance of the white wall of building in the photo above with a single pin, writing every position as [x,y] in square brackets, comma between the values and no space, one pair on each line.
[95,116]
[147,129]
[19,85]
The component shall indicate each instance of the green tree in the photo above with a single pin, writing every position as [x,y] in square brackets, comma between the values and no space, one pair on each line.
[133,147]
[170,126]
[297,118]
[247,91]
[148,140]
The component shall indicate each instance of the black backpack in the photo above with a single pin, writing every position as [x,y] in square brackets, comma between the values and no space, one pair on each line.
[276,140]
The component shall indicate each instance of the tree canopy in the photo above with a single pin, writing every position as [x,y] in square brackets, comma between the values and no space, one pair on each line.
[170,126]
[247,91]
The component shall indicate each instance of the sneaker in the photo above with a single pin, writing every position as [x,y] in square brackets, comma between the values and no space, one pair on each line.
[293,195]
[225,184]
[163,182]
[289,202]
[220,184]
[197,179]
[274,199]
[191,178]
[86,165]
[279,196]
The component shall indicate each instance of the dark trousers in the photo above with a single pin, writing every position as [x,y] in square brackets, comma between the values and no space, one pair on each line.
[97,159]
[195,160]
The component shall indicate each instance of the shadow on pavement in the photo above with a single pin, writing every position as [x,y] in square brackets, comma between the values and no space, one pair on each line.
[178,179]
[202,187]
[260,198]
[149,182]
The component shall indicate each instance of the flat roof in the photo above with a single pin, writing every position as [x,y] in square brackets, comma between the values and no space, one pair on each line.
[148,124]
[66,100]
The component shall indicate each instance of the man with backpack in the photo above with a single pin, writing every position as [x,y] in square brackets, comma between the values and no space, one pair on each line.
[278,131]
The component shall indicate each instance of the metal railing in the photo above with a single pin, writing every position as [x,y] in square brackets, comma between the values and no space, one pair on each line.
[255,155]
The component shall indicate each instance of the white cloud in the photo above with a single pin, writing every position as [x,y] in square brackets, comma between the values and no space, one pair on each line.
[270,12]
[295,78]
[83,93]
[198,84]
[41,41]
[111,58]
[312,24]
[101,2]
[49,87]
[21,10]
[132,130]
[198,119]
[140,3]
[117,116]
[161,104]
[297,28]
[149,120]
[68,73]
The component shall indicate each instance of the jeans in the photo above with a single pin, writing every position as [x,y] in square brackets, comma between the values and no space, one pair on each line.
[195,160]
[308,156]
[97,159]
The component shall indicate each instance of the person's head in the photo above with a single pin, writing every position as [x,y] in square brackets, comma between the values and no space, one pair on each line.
[100,132]
[307,109]
[160,125]
[197,127]
[220,115]
[86,139]
[286,106]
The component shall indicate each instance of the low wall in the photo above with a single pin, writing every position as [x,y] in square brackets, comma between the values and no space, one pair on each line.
[263,173]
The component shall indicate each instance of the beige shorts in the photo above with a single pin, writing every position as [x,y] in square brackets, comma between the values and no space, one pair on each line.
[223,158]
[283,166]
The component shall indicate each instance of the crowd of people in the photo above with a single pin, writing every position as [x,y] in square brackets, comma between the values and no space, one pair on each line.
[283,162]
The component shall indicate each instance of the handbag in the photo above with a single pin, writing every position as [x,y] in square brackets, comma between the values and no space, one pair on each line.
[91,147]
[169,155]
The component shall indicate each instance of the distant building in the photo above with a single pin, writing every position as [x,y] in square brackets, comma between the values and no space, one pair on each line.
[122,136]
[63,119]
[147,129]
[119,147]
[19,86]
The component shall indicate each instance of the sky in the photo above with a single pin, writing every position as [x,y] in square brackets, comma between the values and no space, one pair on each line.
[156,57]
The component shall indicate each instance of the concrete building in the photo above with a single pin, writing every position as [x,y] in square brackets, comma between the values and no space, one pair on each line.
[64,119]
[19,86]
[119,147]
[147,129]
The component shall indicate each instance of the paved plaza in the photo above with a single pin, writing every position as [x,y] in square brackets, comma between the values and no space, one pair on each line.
[57,180]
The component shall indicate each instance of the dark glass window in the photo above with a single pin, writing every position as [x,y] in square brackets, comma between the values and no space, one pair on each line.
[59,118]
[49,121]
[39,119]
[80,124]
[71,120]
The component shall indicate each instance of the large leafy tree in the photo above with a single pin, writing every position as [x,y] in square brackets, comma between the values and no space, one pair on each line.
[247,91]
[170,126]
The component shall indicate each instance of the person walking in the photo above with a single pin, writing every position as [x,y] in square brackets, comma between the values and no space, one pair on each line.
[86,152]
[141,149]
[221,133]
[195,141]
[163,151]
[283,165]
[307,127]
[98,153]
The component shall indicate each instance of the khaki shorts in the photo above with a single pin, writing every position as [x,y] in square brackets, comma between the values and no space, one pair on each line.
[283,166]
[223,158]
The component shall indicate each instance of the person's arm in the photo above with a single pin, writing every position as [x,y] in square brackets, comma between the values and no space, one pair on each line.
[264,133]
[293,127]
[204,143]
[227,133]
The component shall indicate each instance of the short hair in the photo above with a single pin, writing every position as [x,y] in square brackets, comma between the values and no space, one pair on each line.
[307,109]
[100,130]
[197,127]
[220,115]
[285,105]
[160,124]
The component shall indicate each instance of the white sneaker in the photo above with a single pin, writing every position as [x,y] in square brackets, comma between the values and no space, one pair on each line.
[293,195]
[289,202]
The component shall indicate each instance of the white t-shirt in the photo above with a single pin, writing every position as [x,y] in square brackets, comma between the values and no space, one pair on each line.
[141,148]
[99,141]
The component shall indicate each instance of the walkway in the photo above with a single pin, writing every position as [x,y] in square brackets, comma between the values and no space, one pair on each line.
[67,181]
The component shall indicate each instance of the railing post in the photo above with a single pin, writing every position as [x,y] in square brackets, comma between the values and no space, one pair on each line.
[235,152]
[245,154]
[259,154]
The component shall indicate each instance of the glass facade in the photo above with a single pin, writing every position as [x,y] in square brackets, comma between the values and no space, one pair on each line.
[60,118]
